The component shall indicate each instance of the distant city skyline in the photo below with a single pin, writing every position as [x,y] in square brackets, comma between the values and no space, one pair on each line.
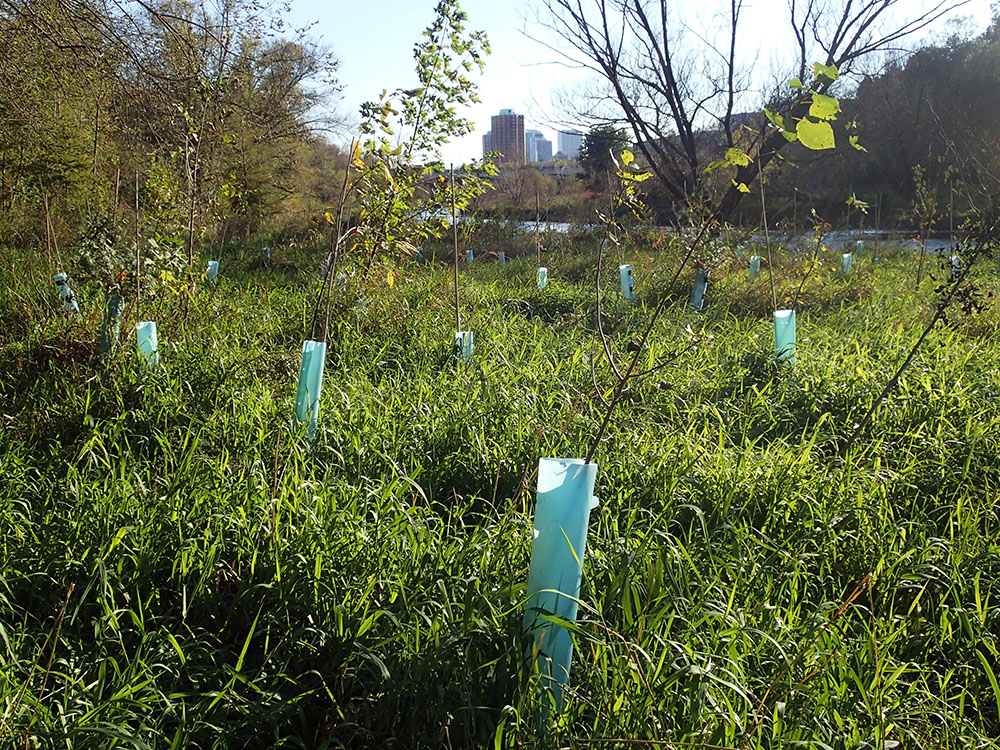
[520,72]
[508,136]
[570,142]
[539,147]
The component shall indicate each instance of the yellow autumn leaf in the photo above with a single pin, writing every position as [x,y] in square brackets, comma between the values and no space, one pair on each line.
[390,279]
[328,217]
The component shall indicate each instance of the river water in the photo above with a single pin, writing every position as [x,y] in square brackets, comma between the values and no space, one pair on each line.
[839,240]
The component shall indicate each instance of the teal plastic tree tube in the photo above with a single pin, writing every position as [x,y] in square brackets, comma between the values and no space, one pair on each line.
[955,264]
[464,341]
[469,256]
[212,272]
[310,384]
[697,302]
[502,257]
[266,252]
[148,345]
[627,281]
[784,335]
[846,262]
[70,304]
[859,248]
[111,326]
[562,514]
[543,277]
[754,265]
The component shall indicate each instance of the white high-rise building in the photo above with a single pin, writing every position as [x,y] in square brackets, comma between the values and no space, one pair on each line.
[569,143]
[539,147]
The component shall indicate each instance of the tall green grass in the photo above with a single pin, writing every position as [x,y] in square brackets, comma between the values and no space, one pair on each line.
[180,568]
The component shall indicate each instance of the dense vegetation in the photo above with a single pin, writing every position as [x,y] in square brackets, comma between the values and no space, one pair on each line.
[181,568]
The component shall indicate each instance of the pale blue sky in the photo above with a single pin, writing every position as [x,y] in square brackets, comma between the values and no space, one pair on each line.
[374,41]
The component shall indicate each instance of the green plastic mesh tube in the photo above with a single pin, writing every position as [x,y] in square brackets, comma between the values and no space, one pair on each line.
[464,341]
[627,281]
[846,262]
[543,277]
[70,304]
[697,301]
[562,514]
[784,335]
[147,342]
[310,384]
[754,265]
[111,326]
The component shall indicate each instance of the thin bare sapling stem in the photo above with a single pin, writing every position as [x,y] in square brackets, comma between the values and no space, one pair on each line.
[767,236]
[644,339]
[808,273]
[48,231]
[138,254]
[538,244]
[454,237]
[944,303]
[326,289]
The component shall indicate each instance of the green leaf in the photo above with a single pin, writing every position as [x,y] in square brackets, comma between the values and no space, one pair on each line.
[824,107]
[795,83]
[627,157]
[734,158]
[777,120]
[741,186]
[815,135]
[854,142]
[826,73]
[737,157]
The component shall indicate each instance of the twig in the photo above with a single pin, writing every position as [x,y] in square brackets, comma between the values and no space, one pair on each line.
[454,236]
[939,313]
[633,363]
[767,236]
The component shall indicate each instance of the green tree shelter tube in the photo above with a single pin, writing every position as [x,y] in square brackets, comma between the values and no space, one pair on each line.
[147,343]
[562,514]
[310,384]
[212,272]
[955,266]
[502,256]
[111,326]
[70,304]
[697,301]
[469,256]
[627,282]
[464,341]
[784,335]
[846,263]
[754,265]
[543,277]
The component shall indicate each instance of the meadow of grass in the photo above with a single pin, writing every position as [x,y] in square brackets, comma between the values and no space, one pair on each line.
[180,568]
